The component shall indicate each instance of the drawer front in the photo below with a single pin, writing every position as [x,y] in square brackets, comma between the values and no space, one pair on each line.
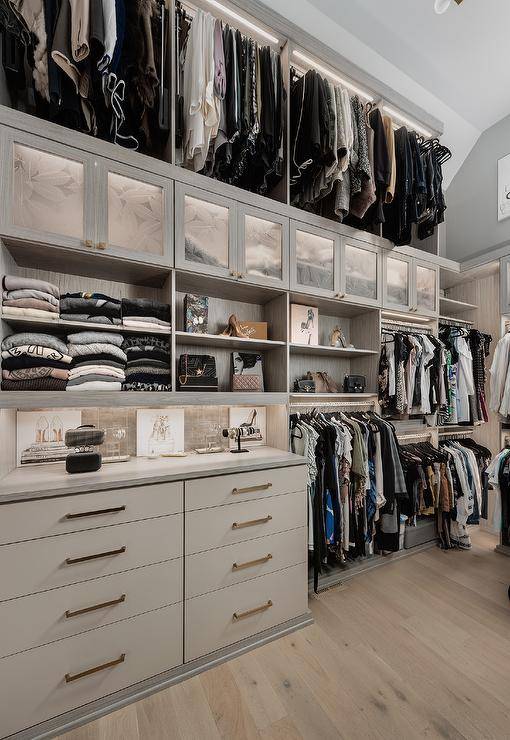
[31,567]
[36,620]
[226,525]
[29,520]
[258,604]
[226,566]
[34,685]
[227,489]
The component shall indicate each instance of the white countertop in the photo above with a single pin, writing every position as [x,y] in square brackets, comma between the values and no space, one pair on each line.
[52,480]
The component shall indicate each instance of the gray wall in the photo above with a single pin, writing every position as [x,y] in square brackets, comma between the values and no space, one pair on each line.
[472,214]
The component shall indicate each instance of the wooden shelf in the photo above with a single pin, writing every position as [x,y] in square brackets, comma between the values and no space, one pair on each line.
[453,307]
[311,349]
[68,327]
[217,340]
[142,399]
[334,396]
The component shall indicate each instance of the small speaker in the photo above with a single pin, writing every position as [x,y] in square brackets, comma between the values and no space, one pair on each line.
[83,462]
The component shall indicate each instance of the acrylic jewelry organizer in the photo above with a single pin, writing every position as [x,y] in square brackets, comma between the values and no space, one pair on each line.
[239,433]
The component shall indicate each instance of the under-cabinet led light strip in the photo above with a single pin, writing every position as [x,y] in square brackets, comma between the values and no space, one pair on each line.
[387,315]
[313,63]
[413,125]
[241,19]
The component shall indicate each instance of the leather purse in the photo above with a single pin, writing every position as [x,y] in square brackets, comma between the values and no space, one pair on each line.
[83,462]
[84,436]
[304,385]
[197,373]
[246,383]
[324,383]
[354,384]
[84,459]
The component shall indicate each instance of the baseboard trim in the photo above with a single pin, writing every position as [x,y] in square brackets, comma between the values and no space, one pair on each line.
[99,708]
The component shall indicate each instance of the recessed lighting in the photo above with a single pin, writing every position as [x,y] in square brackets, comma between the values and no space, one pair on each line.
[394,113]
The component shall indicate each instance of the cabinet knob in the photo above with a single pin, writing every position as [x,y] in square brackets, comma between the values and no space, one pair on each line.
[340,295]
[89,243]
[233,273]
[101,245]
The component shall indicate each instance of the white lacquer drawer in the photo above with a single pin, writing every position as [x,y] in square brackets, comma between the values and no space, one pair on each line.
[38,565]
[226,566]
[232,614]
[31,621]
[227,489]
[224,525]
[32,519]
[45,682]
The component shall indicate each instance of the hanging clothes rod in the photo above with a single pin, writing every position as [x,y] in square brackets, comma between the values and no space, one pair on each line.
[455,435]
[390,326]
[332,404]
[448,321]
[418,435]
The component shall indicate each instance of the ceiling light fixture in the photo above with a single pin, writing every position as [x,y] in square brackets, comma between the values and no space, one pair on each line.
[441,6]
[313,63]
[241,19]
[413,125]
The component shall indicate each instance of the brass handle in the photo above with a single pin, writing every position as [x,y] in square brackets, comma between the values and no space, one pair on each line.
[251,489]
[101,245]
[340,295]
[98,512]
[233,273]
[89,243]
[94,608]
[85,558]
[250,612]
[252,522]
[250,563]
[69,677]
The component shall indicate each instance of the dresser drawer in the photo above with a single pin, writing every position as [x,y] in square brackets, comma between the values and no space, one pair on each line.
[227,489]
[29,520]
[232,614]
[226,566]
[225,525]
[43,683]
[31,621]
[38,565]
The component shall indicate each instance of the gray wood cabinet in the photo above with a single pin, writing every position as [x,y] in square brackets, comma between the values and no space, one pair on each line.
[410,285]
[314,260]
[360,272]
[504,273]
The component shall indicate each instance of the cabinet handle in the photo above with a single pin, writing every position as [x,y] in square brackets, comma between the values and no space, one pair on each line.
[69,677]
[250,563]
[89,243]
[94,608]
[101,245]
[86,558]
[250,612]
[233,273]
[251,489]
[340,295]
[98,512]
[252,522]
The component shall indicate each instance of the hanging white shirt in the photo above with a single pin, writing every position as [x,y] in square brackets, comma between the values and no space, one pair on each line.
[465,383]
[499,372]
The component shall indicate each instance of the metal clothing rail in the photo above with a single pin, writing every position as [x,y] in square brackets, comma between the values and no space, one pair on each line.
[455,435]
[448,321]
[389,325]
[332,404]
[418,435]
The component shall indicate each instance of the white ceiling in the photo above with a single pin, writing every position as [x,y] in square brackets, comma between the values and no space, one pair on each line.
[459,56]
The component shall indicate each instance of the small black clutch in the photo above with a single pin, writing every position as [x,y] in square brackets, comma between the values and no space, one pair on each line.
[354,384]
[82,439]
[83,462]
[84,436]
[304,386]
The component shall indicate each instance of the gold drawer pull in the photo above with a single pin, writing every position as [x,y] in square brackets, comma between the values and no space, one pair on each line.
[251,489]
[89,243]
[250,612]
[101,245]
[240,566]
[98,512]
[85,558]
[252,522]
[94,608]
[111,664]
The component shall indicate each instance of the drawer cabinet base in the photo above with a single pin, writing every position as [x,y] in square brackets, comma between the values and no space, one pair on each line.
[99,708]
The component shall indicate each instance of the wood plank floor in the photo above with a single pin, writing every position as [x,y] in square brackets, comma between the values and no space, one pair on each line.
[417,649]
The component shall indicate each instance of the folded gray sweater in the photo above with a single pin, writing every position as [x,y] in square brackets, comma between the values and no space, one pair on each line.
[14,282]
[33,337]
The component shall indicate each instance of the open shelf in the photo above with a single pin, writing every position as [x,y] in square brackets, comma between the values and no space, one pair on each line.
[453,307]
[320,349]
[68,327]
[334,396]
[217,340]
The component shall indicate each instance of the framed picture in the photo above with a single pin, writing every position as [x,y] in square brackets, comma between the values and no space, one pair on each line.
[249,416]
[40,435]
[304,324]
[196,311]
[504,188]
[159,432]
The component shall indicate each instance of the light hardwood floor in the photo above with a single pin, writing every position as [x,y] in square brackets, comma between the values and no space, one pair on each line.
[417,649]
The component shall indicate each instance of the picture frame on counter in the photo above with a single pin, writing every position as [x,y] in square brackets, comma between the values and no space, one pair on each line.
[159,432]
[40,435]
[304,324]
[249,416]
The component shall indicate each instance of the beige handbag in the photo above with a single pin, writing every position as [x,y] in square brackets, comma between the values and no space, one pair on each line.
[324,383]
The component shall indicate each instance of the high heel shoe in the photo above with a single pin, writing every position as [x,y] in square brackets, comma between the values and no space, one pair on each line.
[251,421]
[233,328]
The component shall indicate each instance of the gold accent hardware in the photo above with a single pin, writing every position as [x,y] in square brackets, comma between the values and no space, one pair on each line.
[98,512]
[251,489]
[340,295]
[94,608]
[250,563]
[89,243]
[250,612]
[101,245]
[252,522]
[69,677]
[86,558]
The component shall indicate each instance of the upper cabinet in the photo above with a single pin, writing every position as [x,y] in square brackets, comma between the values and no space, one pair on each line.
[410,285]
[61,196]
[217,236]
[314,260]
[361,272]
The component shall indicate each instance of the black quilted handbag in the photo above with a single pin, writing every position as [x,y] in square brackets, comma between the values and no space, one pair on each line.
[197,373]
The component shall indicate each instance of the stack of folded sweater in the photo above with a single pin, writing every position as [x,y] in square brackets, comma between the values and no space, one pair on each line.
[148,363]
[34,362]
[95,308]
[141,313]
[29,298]
[98,361]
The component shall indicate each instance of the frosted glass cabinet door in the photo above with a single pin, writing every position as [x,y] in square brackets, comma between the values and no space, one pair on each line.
[263,244]
[205,232]
[46,191]
[397,282]
[138,215]
[361,272]
[314,260]
[426,293]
